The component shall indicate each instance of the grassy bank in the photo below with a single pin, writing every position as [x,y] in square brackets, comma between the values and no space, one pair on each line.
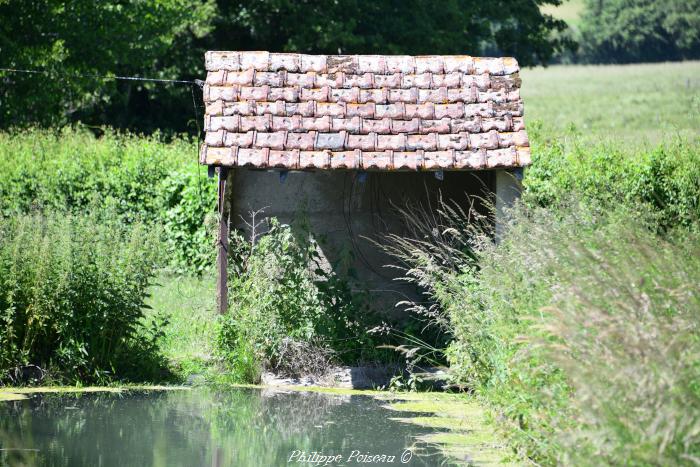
[85,223]
[189,335]
[589,337]
[580,328]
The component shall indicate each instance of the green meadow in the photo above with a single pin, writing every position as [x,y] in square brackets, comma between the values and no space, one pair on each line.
[570,11]
[631,103]
[189,304]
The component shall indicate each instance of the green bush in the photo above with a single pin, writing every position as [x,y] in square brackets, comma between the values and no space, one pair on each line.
[135,176]
[188,207]
[665,179]
[288,312]
[72,293]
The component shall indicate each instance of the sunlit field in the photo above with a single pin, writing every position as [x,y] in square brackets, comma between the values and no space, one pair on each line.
[570,11]
[630,102]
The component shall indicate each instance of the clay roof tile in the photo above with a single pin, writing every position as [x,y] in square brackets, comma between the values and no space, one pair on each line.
[364,112]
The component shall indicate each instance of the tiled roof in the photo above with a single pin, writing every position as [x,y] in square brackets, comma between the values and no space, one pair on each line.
[369,112]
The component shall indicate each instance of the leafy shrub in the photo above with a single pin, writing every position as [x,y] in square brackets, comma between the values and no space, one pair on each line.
[282,301]
[137,177]
[72,293]
[665,179]
[189,204]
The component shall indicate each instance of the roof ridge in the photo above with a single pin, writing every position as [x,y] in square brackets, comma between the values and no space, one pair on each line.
[378,63]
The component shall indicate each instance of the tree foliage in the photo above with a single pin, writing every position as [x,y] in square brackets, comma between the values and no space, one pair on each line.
[623,31]
[513,27]
[79,42]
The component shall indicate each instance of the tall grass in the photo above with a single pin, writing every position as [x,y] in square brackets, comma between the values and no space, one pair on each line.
[623,326]
[580,327]
[72,291]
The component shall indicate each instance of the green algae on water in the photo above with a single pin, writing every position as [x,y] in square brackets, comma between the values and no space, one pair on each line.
[465,434]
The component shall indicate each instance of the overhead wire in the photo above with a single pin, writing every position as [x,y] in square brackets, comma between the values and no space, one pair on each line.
[94,76]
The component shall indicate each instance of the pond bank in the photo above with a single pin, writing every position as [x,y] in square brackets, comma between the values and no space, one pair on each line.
[20,393]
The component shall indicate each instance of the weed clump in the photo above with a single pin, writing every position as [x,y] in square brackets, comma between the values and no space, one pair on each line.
[72,291]
[289,312]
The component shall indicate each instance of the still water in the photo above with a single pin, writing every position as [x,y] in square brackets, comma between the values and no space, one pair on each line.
[238,427]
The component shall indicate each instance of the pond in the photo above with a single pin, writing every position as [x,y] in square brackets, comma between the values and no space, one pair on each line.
[232,427]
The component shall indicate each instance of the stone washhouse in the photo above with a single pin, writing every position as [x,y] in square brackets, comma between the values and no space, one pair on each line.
[349,137]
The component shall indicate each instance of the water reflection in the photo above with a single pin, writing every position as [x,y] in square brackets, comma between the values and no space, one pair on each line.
[240,427]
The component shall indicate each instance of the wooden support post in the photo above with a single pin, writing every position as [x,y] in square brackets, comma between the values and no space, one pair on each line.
[222,244]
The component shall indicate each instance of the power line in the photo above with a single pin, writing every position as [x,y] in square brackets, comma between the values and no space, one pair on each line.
[115,77]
